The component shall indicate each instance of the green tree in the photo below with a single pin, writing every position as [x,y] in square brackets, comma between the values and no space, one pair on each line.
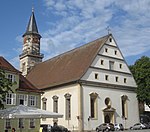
[141,73]
[5,87]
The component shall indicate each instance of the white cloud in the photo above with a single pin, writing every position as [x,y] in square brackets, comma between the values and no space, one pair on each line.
[81,21]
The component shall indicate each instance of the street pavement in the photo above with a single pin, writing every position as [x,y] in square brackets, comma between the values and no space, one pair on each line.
[143,130]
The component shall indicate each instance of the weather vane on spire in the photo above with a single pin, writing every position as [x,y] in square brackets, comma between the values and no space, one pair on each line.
[108,30]
[32,9]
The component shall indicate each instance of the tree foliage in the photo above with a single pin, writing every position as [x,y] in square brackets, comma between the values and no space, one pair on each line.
[141,73]
[5,87]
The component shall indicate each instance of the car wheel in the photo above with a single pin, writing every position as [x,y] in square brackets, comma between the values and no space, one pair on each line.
[107,130]
[131,128]
[97,130]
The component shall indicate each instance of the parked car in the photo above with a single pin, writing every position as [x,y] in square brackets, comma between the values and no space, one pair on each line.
[138,126]
[147,125]
[118,127]
[105,127]
[59,128]
[45,128]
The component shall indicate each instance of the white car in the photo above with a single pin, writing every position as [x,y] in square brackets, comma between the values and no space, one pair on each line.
[138,126]
[118,127]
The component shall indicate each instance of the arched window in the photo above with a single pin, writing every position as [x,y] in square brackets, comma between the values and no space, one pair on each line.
[68,106]
[55,103]
[124,106]
[44,100]
[93,105]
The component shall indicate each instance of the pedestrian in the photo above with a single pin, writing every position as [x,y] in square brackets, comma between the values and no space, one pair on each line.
[13,130]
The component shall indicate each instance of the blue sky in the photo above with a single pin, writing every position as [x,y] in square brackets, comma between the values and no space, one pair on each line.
[66,24]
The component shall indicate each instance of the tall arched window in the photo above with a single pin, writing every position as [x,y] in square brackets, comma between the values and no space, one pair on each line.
[68,106]
[93,105]
[44,100]
[124,106]
[55,104]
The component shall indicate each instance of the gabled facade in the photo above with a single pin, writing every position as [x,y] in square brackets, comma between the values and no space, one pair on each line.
[24,93]
[90,85]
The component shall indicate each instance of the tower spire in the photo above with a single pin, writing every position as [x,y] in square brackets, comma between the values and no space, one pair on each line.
[32,26]
[31,47]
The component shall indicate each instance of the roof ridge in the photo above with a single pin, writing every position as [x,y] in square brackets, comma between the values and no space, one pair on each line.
[76,48]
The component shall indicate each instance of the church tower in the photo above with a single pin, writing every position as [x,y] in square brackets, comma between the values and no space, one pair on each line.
[31,47]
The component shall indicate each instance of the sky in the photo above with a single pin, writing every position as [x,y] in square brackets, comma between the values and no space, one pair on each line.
[67,24]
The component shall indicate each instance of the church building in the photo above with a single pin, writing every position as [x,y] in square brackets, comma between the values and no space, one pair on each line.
[89,85]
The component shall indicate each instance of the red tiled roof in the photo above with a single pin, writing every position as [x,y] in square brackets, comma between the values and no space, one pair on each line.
[24,84]
[67,67]
[4,64]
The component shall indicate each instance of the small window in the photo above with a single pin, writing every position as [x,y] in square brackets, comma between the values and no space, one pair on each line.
[21,124]
[96,75]
[111,65]
[106,50]
[115,52]
[44,103]
[22,99]
[11,99]
[32,123]
[110,39]
[11,77]
[120,65]
[32,100]
[102,62]
[125,80]
[117,79]
[7,124]
[106,77]
[23,66]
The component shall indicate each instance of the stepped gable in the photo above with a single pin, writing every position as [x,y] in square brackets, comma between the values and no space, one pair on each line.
[65,68]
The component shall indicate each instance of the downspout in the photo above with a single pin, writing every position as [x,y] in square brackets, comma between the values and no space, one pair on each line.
[81,119]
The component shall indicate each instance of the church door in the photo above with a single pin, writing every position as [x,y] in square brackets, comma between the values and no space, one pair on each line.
[107,118]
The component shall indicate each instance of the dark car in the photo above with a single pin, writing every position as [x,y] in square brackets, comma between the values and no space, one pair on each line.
[59,128]
[138,126]
[118,127]
[105,127]
[46,127]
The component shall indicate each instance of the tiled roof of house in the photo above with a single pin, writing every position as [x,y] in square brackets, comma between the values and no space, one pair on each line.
[67,67]
[4,64]
[24,84]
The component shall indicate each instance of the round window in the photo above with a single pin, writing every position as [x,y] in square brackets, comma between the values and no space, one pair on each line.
[108,102]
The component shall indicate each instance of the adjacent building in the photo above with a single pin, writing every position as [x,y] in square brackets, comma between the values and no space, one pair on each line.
[24,93]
